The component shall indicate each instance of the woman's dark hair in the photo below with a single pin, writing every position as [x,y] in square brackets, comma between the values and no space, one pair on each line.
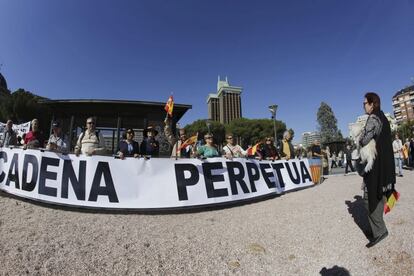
[374,99]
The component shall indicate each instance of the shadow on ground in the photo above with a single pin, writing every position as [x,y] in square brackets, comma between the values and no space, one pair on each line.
[335,270]
[359,213]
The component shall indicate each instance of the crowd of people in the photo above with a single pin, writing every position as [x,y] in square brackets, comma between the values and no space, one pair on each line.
[91,142]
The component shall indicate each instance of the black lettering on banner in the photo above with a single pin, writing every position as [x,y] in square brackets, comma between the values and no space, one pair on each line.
[30,159]
[3,155]
[277,167]
[267,175]
[251,167]
[234,178]
[103,170]
[78,184]
[304,172]
[294,180]
[210,179]
[14,177]
[183,182]
[45,174]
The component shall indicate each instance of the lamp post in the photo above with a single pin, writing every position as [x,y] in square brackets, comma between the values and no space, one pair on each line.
[273,109]
[208,123]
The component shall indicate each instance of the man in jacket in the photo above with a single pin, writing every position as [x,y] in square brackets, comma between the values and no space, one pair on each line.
[9,135]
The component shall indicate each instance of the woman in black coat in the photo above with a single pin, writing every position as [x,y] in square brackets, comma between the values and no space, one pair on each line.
[381,179]
[128,147]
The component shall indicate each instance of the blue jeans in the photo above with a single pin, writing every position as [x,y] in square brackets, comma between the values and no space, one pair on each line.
[398,163]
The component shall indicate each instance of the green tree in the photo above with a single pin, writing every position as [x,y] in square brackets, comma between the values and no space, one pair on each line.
[22,106]
[200,127]
[406,130]
[328,124]
[253,130]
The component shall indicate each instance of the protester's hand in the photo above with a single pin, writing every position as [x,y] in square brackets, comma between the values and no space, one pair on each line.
[136,155]
[121,155]
[25,146]
[77,152]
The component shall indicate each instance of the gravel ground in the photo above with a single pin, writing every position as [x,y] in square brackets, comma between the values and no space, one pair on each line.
[308,232]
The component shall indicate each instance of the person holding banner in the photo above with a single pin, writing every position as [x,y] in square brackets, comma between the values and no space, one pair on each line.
[149,145]
[268,151]
[182,147]
[34,138]
[91,141]
[9,135]
[286,148]
[232,150]
[379,181]
[128,147]
[57,141]
[209,149]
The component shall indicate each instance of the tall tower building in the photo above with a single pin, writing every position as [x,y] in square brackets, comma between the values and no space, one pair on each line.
[225,106]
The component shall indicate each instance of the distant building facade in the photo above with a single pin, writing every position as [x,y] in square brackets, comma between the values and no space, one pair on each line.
[309,137]
[403,105]
[361,120]
[225,105]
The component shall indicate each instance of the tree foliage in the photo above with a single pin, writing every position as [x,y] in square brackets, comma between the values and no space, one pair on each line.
[406,130]
[328,124]
[22,106]
[250,131]
[200,127]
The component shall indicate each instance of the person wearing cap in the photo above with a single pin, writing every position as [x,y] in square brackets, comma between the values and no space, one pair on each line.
[57,141]
[150,146]
[128,147]
[34,138]
[180,150]
[91,141]
[9,135]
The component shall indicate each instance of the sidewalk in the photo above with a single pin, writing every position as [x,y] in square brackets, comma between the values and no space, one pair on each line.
[307,232]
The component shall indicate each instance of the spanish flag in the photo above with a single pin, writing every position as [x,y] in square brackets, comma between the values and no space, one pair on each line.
[169,106]
[252,151]
[391,200]
[189,141]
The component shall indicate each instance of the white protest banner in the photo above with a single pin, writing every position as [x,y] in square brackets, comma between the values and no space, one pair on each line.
[157,183]
[19,129]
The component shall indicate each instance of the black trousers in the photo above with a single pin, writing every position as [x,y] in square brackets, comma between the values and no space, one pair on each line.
[376,218]
[349,163]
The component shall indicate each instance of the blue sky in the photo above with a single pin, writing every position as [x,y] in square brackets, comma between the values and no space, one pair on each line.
[291,53]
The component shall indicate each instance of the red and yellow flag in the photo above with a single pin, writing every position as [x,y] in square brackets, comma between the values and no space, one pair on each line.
[252,151]
[169,106]
[189,141]
[391,200]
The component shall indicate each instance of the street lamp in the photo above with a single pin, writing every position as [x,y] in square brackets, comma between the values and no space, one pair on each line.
[272,109]
[208,123]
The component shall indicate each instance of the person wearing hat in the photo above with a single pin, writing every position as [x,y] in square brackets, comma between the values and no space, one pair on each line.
[57,141]
[149,145]
[128,147]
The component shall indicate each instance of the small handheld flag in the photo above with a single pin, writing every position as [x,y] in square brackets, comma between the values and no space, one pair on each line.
[169,106]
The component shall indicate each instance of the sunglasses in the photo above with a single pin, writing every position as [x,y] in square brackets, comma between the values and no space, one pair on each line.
[130,133]
[90,123]
[208,137]
[229,138]
[268,140]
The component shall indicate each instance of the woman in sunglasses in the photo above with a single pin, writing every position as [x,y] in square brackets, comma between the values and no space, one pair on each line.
[268,150]
[209,149]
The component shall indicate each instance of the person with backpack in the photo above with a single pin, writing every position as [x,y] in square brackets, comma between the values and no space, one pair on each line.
[57,141]
[91,141]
